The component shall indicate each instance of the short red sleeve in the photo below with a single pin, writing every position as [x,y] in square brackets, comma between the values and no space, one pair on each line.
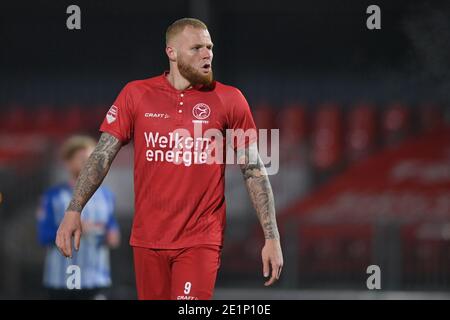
[241,119]
[119,120]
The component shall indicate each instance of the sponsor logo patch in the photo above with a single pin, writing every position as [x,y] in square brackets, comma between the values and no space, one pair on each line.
[111,116]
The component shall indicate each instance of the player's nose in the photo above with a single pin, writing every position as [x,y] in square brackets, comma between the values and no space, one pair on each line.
[207,54]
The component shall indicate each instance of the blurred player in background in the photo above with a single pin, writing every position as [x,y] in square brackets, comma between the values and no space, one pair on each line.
[179,220]
[99,227]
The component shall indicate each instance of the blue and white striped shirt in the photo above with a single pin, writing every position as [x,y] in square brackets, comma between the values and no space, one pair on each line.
[93,254]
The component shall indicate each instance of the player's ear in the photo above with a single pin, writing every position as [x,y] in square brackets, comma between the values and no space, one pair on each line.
[171,53]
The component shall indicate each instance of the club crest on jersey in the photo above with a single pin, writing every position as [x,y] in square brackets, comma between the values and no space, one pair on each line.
[201,111]
[111,116]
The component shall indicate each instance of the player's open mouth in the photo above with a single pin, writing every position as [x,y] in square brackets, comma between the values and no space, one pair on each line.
[206,67]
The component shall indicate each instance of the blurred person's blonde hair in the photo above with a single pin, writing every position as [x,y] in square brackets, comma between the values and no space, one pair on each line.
[179,25]
[74,144]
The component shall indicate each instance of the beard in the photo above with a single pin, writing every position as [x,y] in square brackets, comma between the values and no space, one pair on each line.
[193,76]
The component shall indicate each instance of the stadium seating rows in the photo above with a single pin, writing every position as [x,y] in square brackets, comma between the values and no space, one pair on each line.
[333,134]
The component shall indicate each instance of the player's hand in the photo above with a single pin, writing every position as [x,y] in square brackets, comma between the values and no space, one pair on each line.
[272,259]
[113,239]
[92,228]
[70,227]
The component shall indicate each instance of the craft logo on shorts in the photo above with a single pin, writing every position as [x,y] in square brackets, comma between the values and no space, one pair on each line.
[186,298]
[111,116]
[201,112]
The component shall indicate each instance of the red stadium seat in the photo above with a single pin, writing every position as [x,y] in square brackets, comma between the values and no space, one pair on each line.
[264,116]
[430,117]
[71,119]
[293,124]
[16,119]
[46,121]
[95,116]
[361,124]
[293,133]
[327,137]
[3,112]
[396,123]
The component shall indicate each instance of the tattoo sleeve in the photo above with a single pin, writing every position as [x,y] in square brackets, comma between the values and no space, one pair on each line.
[94,171]
[259,189]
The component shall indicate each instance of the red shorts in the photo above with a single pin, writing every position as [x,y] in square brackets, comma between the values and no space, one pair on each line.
[179,274]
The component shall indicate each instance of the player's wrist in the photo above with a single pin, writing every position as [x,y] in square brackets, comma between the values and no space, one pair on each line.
[273,240]
[73,212]
[75,206]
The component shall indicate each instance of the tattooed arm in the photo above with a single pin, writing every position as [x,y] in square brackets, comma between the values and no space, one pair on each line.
[260,191]
[94,171]
[90,178]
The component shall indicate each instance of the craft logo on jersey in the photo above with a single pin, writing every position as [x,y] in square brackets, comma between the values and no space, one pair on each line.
[201,111]
[111,116]
[156,115]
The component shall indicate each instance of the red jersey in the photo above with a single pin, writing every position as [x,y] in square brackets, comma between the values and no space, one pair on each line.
[179,199]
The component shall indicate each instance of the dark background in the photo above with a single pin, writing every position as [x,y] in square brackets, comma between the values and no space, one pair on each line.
[285,56]
[309,46]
